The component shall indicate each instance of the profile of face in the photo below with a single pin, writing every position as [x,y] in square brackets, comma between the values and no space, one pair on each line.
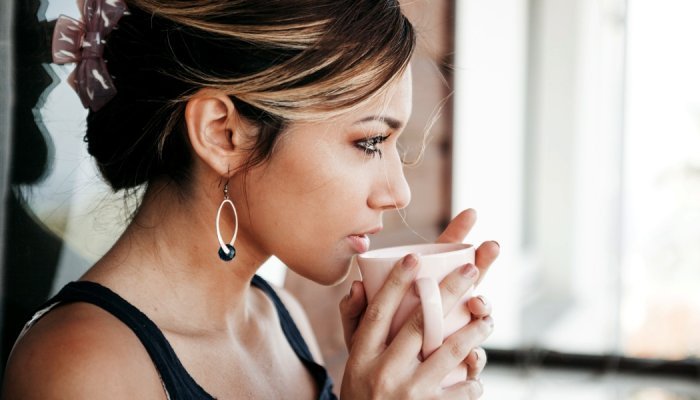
[327,185]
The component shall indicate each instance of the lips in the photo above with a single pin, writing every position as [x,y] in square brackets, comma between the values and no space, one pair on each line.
[359,243]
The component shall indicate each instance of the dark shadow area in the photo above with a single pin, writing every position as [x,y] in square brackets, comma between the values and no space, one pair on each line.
[32,252]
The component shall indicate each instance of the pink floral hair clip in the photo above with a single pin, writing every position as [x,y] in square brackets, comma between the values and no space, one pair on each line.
[82,42]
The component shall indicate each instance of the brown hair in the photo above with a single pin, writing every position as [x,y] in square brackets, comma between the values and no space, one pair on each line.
[279,61]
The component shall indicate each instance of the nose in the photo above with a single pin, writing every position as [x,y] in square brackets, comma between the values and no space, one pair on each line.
[390,189]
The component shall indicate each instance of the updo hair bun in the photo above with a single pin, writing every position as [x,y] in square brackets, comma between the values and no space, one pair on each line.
[124,135]
[279,61]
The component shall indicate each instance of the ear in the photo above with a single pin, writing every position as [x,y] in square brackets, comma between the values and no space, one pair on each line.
[215,131]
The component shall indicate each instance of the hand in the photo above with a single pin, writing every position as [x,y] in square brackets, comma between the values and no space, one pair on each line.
[353,305]
[377,370]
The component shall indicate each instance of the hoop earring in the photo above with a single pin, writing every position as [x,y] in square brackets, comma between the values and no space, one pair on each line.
[226,250]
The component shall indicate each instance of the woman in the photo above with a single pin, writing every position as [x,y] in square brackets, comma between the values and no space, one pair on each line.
[274,122]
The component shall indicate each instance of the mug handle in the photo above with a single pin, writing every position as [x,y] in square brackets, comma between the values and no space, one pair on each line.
[431,304]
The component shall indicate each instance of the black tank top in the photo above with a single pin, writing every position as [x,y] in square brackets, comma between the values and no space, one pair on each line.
[177,382]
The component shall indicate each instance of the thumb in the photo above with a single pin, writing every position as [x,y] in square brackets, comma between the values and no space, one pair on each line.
[352,307]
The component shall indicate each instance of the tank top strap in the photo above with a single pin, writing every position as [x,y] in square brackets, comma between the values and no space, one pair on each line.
[296,340]
[177,382]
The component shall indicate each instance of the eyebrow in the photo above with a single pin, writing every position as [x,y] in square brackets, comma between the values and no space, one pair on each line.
[392,123]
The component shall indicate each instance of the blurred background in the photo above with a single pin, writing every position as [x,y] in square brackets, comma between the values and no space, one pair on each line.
[571,126]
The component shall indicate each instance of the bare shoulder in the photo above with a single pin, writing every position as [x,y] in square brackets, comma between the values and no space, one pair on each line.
[302,321]
[80,351]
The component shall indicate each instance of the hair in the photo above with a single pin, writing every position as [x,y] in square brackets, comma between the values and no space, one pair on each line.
[278,60]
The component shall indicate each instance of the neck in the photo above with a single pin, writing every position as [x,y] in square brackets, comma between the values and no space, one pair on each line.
[171,248]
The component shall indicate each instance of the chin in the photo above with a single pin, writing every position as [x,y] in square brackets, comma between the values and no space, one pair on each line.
[324,274]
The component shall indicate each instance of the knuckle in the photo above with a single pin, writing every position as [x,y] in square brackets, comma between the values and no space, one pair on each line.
[458,350]
[415,325]
[452,288]
[374,313]
[394,281]
[383,381]
[353,364]
[485,327]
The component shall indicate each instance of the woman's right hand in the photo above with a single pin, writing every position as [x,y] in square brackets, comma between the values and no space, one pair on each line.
[376,370]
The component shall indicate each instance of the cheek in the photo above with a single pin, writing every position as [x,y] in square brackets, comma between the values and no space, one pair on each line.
[312,199]
[319,184]
[319,199]
[302,210]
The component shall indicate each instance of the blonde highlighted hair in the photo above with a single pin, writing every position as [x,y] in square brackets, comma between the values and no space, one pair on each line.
[279,60]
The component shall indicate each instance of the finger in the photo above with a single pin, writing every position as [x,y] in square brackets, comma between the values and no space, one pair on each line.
[459,227]
[470,389]
[352,307]
[409,340]
[476,361]
[485,256]
[479,307]
[376,321]
[455,349]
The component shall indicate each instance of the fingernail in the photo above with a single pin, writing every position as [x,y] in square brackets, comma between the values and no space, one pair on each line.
[469,271]
[409,262]
[497,244]
[481,299]
[352,290]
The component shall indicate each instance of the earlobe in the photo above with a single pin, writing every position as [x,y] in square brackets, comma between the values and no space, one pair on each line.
[211,121]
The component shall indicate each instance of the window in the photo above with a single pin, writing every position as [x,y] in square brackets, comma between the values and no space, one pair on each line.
[578,141]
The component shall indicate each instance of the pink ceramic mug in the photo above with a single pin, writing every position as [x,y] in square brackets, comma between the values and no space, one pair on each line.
[436,261]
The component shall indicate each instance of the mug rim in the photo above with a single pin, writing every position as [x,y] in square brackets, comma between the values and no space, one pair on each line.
[441,249]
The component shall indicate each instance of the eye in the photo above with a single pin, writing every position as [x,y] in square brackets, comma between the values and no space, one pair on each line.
[369,145]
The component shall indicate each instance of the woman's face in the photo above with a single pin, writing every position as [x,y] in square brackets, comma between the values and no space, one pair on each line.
[326,186]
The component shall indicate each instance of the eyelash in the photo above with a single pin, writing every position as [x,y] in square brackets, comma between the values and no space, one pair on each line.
[369,145]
